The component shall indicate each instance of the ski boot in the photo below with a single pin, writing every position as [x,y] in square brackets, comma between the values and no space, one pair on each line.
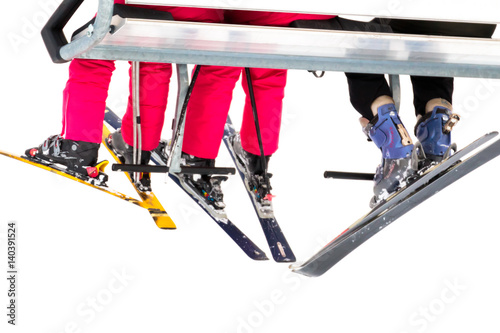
[399,161]
[251,167]
[78,158]
[207,187]
[433,130]
[126,155]
[161,152]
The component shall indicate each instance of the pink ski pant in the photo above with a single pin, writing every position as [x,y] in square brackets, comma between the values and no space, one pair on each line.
[86,91]
[211,98]
[87,88]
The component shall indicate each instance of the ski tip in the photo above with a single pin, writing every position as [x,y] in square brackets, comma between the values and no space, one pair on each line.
[165,222]
[282,253]
[168,228]
[285,259]
[259,256]
[303,269]
[282,257]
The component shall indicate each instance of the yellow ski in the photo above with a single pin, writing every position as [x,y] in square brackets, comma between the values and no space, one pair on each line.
[66,175]
[149,200]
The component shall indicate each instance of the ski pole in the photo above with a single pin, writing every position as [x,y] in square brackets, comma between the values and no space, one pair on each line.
[137,147]
[257,125]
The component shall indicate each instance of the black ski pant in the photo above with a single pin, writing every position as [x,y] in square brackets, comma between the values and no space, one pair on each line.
[365,88]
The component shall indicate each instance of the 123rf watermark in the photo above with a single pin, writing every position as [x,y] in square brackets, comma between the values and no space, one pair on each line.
[12,272]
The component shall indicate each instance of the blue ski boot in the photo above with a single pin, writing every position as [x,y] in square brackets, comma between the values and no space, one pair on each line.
[433,131]
[398,159]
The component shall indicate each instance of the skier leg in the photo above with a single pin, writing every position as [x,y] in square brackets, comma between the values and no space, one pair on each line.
[208,109]
[433,95]
[154,81]
[435,120]
[153,94]
[398,161]
[432,100]
[381,123]
[268,89]
[153,89]
[365,89]
[83,113]
[84,104]
[211,98]
[266,96]
[205,120]
[154,84]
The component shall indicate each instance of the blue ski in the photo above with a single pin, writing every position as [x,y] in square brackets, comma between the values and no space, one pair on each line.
[276,240]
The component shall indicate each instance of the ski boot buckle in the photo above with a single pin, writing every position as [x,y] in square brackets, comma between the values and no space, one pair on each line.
[454,118]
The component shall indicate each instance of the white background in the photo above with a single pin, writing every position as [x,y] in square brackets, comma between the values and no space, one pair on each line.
[73,240]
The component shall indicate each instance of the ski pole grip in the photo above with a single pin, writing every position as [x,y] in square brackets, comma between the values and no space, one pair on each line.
[52,32]
[349,175]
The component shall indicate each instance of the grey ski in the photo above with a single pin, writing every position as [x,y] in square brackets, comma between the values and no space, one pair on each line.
[431,182]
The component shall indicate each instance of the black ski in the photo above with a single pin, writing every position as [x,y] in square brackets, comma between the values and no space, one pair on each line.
[431,182]
[159,157]
[276,240]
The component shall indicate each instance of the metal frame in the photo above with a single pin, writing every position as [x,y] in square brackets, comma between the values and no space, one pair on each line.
[292,48]
[182,86]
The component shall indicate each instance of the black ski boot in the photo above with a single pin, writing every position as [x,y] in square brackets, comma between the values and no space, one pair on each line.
[126,154]
[161,152]
[206,186]
[78,157]
[251,167]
